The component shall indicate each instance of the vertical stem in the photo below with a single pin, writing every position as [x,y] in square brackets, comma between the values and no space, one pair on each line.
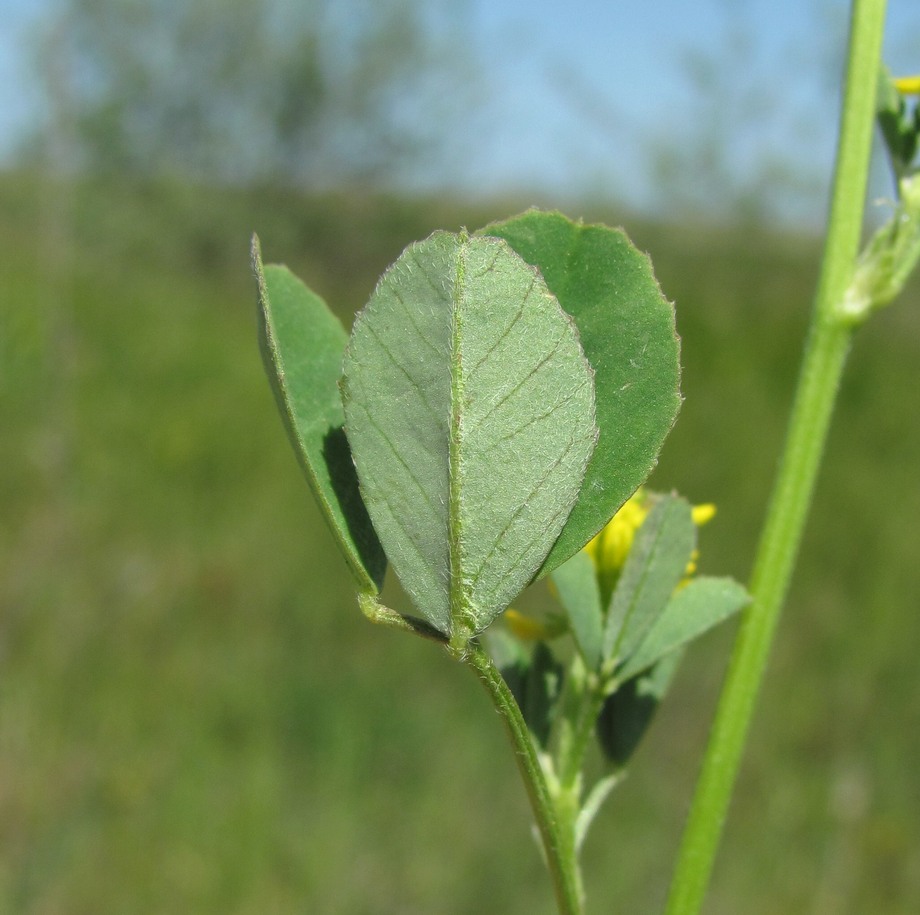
[557,843]
[571,763]
[822,365]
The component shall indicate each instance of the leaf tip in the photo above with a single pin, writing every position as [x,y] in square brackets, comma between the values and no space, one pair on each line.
[255,257]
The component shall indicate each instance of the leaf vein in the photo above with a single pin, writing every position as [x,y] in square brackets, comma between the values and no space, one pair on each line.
[517,512]
[506,331]
[424,271]
[396,453]
[491,266]
[517,387]
[639,591]
[411,318]
[545,414]
[412,381]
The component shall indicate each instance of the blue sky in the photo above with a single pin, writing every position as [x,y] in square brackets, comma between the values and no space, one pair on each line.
[577,98]
[612,83]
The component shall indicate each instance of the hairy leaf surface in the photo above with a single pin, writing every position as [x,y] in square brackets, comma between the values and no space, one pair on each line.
[627,330]
[469,407]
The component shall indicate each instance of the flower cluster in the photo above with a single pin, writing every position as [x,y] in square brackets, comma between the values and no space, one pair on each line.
[608,551]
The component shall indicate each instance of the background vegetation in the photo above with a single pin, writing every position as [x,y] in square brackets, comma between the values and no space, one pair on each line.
[194,717]
[193,714]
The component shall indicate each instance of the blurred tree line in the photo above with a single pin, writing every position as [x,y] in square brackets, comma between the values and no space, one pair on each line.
[315,92]
[381,93]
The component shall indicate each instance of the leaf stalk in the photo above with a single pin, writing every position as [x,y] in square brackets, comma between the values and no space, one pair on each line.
[558,838]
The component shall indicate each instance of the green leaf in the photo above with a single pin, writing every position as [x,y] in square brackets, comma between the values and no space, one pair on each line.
[889,258]
[655,564]
[693,610]
[627,332]
[302,347]
[627,713]
[469,407]
[579,593]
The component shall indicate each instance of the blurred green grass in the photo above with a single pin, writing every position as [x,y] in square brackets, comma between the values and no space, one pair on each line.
[193,715]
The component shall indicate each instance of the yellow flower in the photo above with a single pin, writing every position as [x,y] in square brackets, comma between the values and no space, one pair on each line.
[703,514]
[529,629]
[608,550]
[907,85]
[611,546]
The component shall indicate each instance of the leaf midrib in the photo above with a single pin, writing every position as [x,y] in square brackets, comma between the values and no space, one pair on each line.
[462,621]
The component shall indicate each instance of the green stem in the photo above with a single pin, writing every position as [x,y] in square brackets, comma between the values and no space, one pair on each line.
[580,714]
[558,844]
[588,709]
[822,366]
